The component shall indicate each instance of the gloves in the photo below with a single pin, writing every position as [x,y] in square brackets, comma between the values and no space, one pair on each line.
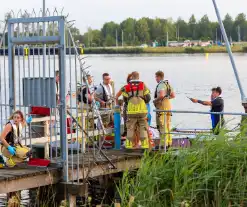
[29,119]
[11,150]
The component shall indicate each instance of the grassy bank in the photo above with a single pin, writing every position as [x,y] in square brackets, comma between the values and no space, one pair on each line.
[163,50]
[212,175]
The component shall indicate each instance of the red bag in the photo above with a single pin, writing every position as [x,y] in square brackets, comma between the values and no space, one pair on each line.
[43,111]
[69,126]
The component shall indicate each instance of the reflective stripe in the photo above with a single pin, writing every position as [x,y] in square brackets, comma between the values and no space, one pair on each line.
[146,92]
[137,108]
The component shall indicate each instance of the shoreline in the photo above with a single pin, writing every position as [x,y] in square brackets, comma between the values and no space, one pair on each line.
[163,50]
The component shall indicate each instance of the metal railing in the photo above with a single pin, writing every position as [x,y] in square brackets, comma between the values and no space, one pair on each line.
[28,80]
[195,130]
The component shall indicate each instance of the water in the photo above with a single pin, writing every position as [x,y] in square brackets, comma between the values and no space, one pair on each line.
[190,75]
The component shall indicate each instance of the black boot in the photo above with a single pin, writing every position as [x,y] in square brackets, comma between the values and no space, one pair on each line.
[124,134]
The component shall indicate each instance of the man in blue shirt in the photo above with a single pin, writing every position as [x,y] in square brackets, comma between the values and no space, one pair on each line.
[217,105]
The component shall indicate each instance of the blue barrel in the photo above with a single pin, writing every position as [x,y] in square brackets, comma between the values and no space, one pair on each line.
[117,127]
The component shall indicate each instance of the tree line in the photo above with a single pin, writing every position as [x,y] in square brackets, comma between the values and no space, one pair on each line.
[146,30]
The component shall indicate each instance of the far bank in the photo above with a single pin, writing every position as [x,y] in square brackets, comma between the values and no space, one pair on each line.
[163,50]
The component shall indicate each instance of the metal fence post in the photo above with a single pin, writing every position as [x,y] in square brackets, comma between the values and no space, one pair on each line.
[62,104]
[11,69]
[229,50]
[165,128]
[117,127]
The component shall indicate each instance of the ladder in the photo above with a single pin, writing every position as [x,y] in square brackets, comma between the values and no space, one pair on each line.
[84,74]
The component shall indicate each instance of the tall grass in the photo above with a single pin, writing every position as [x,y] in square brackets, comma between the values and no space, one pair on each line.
[212,173]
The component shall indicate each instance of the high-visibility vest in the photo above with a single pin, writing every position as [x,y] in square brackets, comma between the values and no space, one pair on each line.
[135,92]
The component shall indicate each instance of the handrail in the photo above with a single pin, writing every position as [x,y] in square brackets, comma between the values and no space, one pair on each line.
[200,112]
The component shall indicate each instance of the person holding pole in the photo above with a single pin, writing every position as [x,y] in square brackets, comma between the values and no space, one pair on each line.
[217,105]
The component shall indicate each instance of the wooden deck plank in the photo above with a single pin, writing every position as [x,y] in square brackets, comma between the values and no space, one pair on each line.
[14,179]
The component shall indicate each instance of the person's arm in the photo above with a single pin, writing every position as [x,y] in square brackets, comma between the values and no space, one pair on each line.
[119,93]
[205,103]
[173,95]
[5,131]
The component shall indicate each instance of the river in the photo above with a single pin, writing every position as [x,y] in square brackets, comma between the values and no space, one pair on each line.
[190,75]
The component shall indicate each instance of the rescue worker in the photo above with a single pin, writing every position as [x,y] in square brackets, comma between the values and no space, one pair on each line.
[85,97]
[217,105]
[119,93]
[163,93]
[137,96]
[85,94]
[12,147]
[105,96]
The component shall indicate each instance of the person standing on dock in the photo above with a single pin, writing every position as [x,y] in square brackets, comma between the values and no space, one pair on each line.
[85,97]
[217,105]
[85,94]
[105,96]
[163,93]
[137,95]
[12,147]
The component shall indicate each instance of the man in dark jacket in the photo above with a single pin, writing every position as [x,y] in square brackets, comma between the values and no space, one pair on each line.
[217,105]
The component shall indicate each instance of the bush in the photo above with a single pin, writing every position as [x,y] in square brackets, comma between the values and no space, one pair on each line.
[192,50]
[244,49]
[134,50]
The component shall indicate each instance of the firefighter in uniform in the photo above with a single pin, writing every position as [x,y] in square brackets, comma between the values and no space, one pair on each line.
[137,95]
[162,96]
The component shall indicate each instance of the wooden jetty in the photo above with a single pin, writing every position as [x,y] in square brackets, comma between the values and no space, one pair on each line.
[90,166]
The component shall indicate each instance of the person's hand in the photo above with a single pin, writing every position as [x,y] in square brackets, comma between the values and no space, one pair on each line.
[11,150]
[29,119]
[193,100]
[102,103]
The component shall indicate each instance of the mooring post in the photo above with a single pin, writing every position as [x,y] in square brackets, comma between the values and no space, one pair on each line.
[117,127]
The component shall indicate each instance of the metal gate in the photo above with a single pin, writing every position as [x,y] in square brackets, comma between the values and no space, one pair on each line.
[39,70]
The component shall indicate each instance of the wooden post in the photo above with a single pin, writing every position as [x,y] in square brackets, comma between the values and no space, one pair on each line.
[14,199]
[72,200]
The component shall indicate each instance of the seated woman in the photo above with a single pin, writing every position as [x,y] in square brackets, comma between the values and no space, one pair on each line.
[12,148]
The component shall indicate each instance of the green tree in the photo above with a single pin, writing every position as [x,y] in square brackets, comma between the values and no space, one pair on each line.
[109,33]
[228,24]
[192,33]
[182,29]
[240,25]
[156,30]
[205,30]
[142,30]
[128,26]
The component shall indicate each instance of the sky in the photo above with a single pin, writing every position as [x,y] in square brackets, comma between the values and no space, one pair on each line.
[94,13]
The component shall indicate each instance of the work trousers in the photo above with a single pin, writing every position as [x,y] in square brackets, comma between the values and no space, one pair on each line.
[137,127]
[163,121]
[20,156]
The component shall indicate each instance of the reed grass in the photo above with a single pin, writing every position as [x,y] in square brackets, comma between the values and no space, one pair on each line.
[211,173]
